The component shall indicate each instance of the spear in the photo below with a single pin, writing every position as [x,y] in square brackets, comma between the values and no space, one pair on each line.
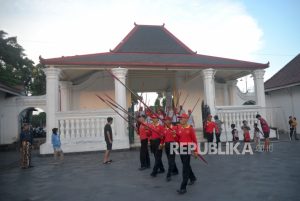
[124,110]
[138,98]
[112,108]
[116,105]
[194,106]
[185,100]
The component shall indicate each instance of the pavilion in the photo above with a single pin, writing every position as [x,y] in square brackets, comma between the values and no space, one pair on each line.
[148,59]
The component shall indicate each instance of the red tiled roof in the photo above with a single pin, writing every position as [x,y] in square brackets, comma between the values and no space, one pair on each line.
[152,46]
[288,75]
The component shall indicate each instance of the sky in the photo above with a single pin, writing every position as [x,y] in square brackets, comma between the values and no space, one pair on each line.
[253,30]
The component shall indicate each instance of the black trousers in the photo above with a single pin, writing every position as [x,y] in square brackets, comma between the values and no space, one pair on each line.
[144,154]
[158,165]
[210,137]
[218,138]
[293,132]
[187,172]
[171,160]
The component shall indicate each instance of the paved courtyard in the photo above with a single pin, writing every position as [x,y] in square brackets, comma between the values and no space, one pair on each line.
[263,176]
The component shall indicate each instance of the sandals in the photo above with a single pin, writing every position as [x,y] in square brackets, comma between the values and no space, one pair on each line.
[107,162]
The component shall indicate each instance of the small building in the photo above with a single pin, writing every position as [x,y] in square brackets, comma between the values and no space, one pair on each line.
[283,94]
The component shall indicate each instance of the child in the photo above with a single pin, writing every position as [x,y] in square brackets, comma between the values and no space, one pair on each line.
[56,144]
[257,133]
[235,133]
[246,130]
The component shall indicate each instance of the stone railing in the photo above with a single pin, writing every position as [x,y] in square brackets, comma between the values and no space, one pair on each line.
[83,126]
[235,115]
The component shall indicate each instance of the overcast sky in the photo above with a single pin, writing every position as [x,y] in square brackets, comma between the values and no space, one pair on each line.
[255,30]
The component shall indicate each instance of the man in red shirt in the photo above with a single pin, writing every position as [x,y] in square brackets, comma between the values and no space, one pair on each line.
[209,128]
[186,138]
[144,153]
[155,133]
[266,130]
[169,136]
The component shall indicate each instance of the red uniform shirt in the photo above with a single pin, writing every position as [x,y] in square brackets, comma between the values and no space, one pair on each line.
[143,131]
[187,135]
[209,127]
[155,131]
[168,134]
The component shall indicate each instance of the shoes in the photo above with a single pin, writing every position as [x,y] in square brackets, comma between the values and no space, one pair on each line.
[161,171]
[181,191]
[168,179]
[153,174]
[107,162]
[192,182]
[142,168]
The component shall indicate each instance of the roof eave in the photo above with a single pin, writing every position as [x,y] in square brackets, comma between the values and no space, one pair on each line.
[281,87]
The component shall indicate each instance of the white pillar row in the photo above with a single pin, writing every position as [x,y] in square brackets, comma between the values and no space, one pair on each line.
[120,97]
[258,77]
[232,91]
[65,95]
[209,88]
[52,82]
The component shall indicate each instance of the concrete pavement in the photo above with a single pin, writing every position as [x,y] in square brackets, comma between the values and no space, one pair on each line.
[263,176]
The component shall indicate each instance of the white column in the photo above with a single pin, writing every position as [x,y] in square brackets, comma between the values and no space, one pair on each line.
[120,97]
[65,95]
[52,80]
[232,91]
[209,88]
[258,78]
[226,96]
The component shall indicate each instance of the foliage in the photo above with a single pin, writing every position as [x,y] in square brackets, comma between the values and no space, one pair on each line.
[16,69]
[39,120]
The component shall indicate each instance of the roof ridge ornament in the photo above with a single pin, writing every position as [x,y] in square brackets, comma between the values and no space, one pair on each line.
[135,24]
[163,25]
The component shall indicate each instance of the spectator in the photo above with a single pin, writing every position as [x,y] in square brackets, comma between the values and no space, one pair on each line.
[26,139]
[235,133]
[266,130]
[57,144]
[219,129]
[108,140]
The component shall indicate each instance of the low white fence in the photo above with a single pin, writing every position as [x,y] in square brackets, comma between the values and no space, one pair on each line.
[236,115]
[83,126]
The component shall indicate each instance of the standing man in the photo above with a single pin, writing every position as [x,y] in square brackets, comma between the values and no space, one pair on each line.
[210,127]
[155,130]
[26,139]
[219,129]
[266,130]
[187,139]
[293,126]
[169,137]
[108,139]
[144,153]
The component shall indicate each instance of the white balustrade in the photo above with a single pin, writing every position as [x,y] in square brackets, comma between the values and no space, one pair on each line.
[83,126]
[236,115]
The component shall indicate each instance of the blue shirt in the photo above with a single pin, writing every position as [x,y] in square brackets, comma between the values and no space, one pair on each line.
[56,140]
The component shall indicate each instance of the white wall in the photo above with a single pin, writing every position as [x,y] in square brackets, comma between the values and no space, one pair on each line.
[10,108]
[283,103]
[193,88]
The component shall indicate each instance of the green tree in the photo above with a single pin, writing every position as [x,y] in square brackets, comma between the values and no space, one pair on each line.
[17,69]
